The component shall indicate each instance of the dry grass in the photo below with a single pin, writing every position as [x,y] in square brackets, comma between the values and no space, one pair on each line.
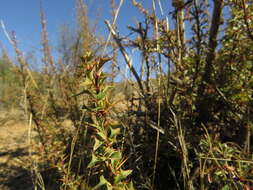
[13,152]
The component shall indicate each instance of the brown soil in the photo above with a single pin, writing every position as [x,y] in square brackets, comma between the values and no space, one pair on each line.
[13,152]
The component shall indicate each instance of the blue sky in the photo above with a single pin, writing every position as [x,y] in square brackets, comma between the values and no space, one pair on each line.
[23,17]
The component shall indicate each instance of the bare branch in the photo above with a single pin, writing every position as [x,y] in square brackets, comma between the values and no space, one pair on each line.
[116,13]
[48,58]
[125,55]
[216,18]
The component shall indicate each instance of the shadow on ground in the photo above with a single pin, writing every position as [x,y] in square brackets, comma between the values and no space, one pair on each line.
[12,175]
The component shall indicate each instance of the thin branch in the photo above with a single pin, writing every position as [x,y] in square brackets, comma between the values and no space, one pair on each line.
[213,33]
[6,33]
[48,59]
[116,13]
[125,55]
[216,18]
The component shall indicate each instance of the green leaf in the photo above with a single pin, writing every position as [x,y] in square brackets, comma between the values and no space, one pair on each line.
[116,155]
[86,83]
[103,93]
[102,134]
[88,56]
[226,187]
[114,132]
[125,173]
[100,96]
[109,151]
[97,144]
[95,126]
[102,182]
[115,160]
[94,161]
[122,175]
[90,75]
[130,186]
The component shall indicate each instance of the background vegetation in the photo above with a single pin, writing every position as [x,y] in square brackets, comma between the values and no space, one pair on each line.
[183,120]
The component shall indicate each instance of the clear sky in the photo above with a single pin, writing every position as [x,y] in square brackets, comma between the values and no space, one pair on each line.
[23,17]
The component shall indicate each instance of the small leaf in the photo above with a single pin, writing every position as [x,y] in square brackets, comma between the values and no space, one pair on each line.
[115,163]
[114,132]
[226,187]
[100,96]
[102,135]
[94,161]
[109,151]
[116,155]
[115,160]
[102,182]
[125,173]
[122,175]
[86,83]
[87,57]
[97,144]
[130,186]
[90,75]
[103,93]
